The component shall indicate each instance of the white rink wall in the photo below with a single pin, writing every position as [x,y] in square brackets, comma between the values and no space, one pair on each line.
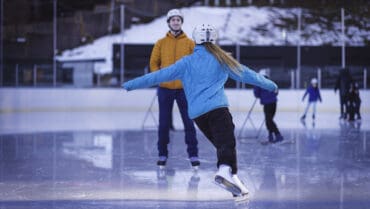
[117,100]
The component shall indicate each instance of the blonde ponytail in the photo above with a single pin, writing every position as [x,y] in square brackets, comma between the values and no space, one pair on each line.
[223,57]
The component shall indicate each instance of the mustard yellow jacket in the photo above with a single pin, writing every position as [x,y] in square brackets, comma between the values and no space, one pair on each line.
[167,51]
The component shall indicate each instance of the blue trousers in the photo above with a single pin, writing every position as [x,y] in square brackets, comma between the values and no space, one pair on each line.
[166,98]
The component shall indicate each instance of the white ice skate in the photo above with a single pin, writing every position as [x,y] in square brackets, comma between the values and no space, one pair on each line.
[244,191]
[161,173]
[224,179]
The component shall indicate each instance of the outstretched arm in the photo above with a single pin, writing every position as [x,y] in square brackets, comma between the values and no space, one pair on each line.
[172,72]
[337,84]
[249,76]
[304,95]
[319,96]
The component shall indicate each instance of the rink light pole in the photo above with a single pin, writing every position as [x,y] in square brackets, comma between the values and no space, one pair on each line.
[1,42]
[343,40]
[122,63]
[299,50]
[54,42]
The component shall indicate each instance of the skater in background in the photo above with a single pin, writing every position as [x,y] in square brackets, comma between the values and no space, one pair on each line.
[203,75]
[353,102]
[356,90]
[314,95]
[269,100]
[165,52]
[342,84]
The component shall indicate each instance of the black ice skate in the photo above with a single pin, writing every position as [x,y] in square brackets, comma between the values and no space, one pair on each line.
[162,162]
[195,163]
[278,138]
[270,140]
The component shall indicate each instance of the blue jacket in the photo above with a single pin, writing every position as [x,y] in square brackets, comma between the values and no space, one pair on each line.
[266,97]
[203,79]
[313,94]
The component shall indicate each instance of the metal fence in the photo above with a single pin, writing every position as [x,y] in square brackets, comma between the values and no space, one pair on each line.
[82,73]
[28,61]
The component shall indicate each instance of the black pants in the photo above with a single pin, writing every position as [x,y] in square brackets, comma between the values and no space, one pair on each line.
[343,105]
[357,108]
[353,108]
[217,125]
[270,110]
[350,107]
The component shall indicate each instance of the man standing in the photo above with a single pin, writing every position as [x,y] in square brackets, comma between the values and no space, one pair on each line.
[343,83]
[167,51]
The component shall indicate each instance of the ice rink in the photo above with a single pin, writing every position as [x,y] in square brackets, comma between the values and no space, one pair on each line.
[75,133]
[105,160]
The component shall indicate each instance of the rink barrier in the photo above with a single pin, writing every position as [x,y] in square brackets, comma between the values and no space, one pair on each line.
[116,100]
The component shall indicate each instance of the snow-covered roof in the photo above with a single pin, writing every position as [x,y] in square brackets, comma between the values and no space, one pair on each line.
[235,25]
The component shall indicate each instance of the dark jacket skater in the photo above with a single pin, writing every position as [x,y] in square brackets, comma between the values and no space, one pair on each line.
[353,102]
[343,83]
[268,99]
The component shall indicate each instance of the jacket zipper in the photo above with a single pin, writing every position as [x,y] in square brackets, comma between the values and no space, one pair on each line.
[174,59]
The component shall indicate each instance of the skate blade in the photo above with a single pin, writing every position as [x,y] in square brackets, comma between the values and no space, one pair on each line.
[284,142]
[243,198]
[235,190]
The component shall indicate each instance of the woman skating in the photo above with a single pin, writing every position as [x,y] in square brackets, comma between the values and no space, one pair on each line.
[203,75]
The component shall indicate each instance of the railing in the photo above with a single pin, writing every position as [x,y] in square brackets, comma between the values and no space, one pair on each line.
[40,75]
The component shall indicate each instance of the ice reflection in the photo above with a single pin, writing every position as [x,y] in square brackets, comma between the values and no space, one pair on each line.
[330,166]
[92,147]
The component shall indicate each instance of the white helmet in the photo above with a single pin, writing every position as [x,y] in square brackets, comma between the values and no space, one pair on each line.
[314,81]
[174,12]
[205,33]
[264,72]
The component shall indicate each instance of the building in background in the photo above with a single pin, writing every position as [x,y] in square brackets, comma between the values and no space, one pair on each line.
[27,55]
